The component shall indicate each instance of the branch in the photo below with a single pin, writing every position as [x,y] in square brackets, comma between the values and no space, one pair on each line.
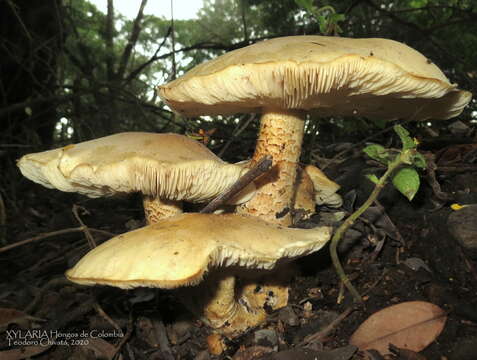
[260,168]
[396,18]
[136,30]
[434,7]
[23,104]
[244,20]
[50,234]
[209,45]
[109,40]
[141,67]
[173,40]
[83,49]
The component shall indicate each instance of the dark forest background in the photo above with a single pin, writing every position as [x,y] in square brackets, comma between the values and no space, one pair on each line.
[69,73]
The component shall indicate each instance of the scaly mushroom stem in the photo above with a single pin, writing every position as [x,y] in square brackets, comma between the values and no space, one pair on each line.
[156,209]
[214,300]
[281,136]
[269,291]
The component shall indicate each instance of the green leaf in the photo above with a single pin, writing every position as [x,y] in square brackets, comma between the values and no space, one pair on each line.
[419,161]
[338,17]
[407,141]
[307,4]
[373,178]
[378,153]
[380,123]
[407,182]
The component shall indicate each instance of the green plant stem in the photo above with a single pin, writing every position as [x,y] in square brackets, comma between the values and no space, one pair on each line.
[401,159]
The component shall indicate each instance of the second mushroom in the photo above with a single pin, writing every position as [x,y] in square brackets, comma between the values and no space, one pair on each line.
[165,168]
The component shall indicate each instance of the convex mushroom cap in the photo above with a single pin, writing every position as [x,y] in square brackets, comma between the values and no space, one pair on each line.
[376,78]
[178,251]
[163,166]
[315,188]
[325,188]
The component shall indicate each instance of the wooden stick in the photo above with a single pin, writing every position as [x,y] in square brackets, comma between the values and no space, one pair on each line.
[260,168]
[320,335]
[50,234]
[87,233]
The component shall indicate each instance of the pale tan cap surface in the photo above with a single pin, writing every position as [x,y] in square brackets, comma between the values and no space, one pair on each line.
[376,78]
[168,166]
[325,188]
[179,250]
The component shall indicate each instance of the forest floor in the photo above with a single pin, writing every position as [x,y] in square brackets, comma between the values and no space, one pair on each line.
[405,252]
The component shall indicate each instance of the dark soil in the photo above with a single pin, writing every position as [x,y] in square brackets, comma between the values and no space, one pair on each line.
[419,260]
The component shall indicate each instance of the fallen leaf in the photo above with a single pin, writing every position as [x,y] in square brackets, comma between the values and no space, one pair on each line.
[23,352]
[251,353]
[97,347]
[406,354]
[10,316]
[415,264]
[409,325]
[344,353]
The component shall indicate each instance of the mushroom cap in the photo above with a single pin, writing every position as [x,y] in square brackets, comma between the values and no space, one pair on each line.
[179,250]
[375,78]
[168,166]
[325,188]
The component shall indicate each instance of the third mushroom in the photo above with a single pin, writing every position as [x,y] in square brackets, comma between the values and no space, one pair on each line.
[203,254]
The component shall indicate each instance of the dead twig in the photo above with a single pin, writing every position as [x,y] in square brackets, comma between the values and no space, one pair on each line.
[459,168]
[260,168]
[3,221]
[51,234]
[105,316]
[432,180]
[320,335]
[53,283]
[238,130]
[87,233]
[374,284]
[161,335]
[126,336]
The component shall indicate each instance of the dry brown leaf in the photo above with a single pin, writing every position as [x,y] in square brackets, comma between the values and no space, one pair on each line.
[215,344]
[10,316]
[99,348]
[251,353]
[23,352]
[409,325]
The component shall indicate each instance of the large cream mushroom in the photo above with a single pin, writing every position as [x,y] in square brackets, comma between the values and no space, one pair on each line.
[165,168]
[283,78]
[203,254]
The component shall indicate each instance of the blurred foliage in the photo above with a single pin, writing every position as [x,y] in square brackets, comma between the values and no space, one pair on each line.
[326,17]
[101,89]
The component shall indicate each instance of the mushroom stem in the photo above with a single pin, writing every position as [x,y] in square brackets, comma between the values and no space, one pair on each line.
[214,300]
[156,209]
[281,136]
[221,305]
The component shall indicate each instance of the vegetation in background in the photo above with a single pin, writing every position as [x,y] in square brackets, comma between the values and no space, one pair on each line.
[401,168]
[89,74]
